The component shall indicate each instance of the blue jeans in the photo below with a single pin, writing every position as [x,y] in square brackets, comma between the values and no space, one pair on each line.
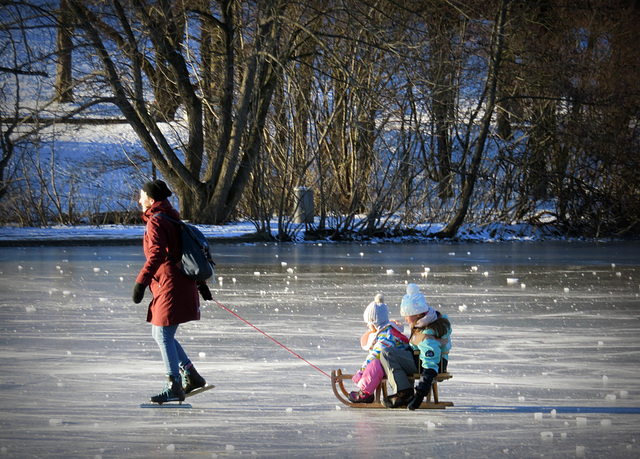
[173,355]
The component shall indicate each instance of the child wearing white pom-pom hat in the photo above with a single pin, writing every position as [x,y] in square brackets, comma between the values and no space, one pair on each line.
[382,334]
[430,335]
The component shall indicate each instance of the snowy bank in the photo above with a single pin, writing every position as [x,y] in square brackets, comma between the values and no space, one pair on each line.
[246,232]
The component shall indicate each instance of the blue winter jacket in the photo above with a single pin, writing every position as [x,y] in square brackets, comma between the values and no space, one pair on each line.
[431,348]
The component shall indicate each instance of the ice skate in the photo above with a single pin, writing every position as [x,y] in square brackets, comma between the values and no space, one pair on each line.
[173,392]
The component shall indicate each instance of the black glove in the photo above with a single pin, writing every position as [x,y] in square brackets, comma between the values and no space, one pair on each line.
[138,292]
[417,400]
[205,292]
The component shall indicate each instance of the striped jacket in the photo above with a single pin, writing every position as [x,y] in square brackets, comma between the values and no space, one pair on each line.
[388,336]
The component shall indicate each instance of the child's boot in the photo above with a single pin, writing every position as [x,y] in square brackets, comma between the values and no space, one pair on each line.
[417,400]
[361,397]
[402,398]
[172,392]
[191,379]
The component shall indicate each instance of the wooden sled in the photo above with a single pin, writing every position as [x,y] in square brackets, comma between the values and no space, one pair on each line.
[432,401]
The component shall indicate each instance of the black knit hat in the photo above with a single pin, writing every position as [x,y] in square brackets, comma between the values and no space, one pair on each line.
[156,190]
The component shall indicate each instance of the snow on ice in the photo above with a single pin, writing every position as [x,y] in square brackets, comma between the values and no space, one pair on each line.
[548,370]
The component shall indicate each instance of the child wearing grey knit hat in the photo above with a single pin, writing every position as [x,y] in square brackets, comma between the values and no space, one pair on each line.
[377,313]
[382,333]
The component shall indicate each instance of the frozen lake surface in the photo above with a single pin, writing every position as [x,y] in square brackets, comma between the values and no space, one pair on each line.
[545,358]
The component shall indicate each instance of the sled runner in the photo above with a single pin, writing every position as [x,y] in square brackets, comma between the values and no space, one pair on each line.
[176,403]
[431,402]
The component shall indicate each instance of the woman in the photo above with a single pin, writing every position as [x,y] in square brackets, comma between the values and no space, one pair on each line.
[175,296]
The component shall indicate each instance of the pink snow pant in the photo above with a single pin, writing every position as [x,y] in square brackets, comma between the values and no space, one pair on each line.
[370,378]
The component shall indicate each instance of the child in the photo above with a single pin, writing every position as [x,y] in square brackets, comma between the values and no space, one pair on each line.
[382,334]
[432,339]
[430,336]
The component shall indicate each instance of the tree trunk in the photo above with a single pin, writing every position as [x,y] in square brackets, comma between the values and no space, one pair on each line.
[495,56]
[64,46]
[208,187]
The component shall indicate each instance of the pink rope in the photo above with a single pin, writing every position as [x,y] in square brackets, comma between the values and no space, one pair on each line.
[277,342]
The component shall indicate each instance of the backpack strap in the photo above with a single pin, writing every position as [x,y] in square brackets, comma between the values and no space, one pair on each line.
[177,222]
[163,215]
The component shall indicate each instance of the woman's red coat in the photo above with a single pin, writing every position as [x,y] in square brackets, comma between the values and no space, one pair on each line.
[175,296]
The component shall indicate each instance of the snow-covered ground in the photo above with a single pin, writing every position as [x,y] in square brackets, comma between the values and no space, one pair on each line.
[98,234]
[67,234]
[546,352]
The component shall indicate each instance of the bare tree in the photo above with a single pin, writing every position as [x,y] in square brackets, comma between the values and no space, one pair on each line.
[569,82]
[392,112]
[444,25]
[18,60]
[487,105]
[209,181]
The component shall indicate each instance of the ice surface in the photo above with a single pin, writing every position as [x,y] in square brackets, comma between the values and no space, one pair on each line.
[534,369]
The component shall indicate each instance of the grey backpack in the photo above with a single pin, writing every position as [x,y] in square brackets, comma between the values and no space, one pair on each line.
[196,262]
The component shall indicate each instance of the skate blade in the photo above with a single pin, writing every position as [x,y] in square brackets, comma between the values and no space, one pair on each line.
[199,390]
[166,405]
